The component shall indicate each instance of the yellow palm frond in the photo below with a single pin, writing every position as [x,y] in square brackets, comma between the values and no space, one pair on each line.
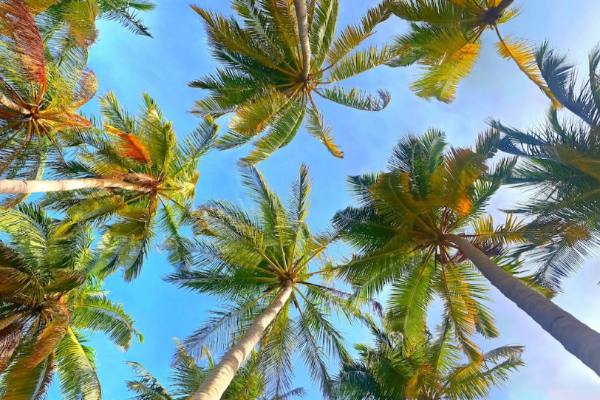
[523,54]
[317,127]
[441,81]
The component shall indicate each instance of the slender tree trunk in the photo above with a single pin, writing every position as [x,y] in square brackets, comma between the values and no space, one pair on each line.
[11,105]
[578,338]
[301,16]
[16,186]
[220,377]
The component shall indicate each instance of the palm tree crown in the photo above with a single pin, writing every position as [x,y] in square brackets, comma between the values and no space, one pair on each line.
[143,151]
[561,163]
[273,66]
[39,96]
[251,257]
[48,297]
[432,370]
[401,226]
[445,38]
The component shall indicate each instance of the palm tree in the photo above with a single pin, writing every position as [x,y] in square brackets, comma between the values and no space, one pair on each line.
[261,263]
[433,370]
[417,277]
[73,22]
[430,205]
[38,96]
[150,180]
[445,37]
[277,61]
[561,163]
[187,377]
[48,297]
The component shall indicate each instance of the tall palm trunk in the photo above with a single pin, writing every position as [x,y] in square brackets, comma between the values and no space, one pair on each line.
[220,377]
[578,338]
[16,186]
[11,105]
[301,16]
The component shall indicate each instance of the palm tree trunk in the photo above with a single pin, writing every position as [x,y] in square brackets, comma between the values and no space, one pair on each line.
[17,186]
[11,105]
[301,16]
[578,338]
[220,377]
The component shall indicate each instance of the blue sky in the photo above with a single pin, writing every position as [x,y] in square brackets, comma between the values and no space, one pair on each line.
[130,65]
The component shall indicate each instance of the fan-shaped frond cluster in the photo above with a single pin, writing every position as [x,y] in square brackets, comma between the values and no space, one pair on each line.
[434,369]
[247,258]
[50,296]
[161,172]
[261,79]
[401,228]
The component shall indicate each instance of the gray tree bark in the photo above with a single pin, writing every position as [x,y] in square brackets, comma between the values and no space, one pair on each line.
[220,377]
[302,17]
[578,338]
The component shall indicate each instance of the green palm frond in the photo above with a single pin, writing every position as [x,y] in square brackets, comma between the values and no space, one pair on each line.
[145,152]
[245,257]
[68,22]
[431,368]
[445,39]
[318,128]
[356,99]
[187,376]
[47,298]
[430,190]
[22,383]
[559,162]
[77,368]
[98,313]
[146,386]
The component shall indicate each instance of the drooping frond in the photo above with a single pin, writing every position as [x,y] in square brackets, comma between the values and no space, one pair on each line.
[523,54]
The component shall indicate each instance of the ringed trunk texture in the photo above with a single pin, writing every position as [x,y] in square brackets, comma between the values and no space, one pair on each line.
[301,16]
[17,186]
[220,377]
[578,338]
[11,105]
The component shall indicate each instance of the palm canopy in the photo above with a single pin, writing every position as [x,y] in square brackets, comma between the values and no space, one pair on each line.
[446,36]
[247,258]
[73,22]
[560,163]
[261,78]
[144,151]
[187,376]
[434,369]
[39,96]
[49,300]
[399,229]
